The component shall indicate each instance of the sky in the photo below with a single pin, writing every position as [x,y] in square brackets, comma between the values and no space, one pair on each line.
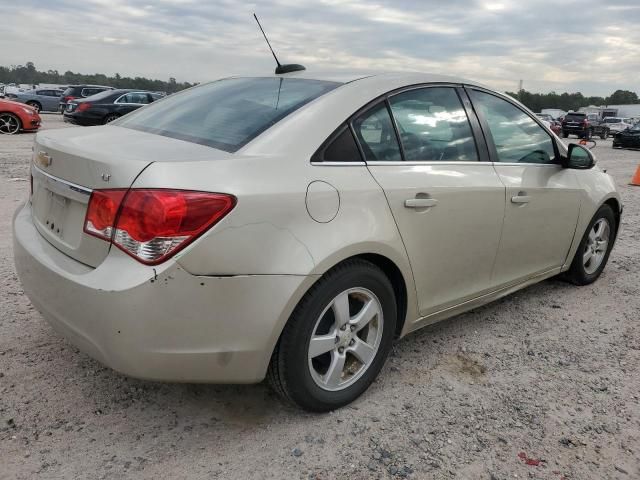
[561,45]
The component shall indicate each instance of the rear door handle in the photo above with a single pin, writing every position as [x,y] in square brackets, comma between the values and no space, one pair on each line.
[522,197]
[420,202]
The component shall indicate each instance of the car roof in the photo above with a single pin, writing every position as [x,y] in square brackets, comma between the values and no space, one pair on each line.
[348,76]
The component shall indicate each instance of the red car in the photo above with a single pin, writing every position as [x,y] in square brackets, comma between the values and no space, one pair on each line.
[16,116]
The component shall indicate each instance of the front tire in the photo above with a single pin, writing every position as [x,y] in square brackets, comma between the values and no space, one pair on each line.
[594,249]
[9,123]
[337,338]
[565,134]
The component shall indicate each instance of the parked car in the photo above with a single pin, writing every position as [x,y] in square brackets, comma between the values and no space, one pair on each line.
[628,138]
[79,92]
[583,125]
[16,117]
[617,124]
[549,121]
[293,226]
[41,100]
[107,106]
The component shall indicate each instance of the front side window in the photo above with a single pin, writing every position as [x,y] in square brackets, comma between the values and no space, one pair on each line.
[433,125]
[517,137]
[229,113]
[376,135]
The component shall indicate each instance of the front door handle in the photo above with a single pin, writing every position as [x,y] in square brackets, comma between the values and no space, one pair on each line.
[522,197]
[420,202]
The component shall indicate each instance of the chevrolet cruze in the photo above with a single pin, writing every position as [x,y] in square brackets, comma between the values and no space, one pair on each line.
[292,226]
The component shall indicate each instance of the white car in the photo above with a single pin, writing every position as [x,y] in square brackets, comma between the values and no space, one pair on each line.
[293,226]
[617,124]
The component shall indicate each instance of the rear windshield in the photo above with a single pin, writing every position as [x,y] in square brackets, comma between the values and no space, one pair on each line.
[68,91]
[575,115]
[612,120]
[226,114]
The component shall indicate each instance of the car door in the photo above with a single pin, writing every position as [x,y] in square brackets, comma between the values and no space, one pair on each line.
[542,197]
[420,147]
[49,100]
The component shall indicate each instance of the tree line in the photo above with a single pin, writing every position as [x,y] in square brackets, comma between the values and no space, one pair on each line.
[30,75]
[572,101]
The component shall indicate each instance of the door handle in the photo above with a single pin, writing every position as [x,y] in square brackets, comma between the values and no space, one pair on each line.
[522,197]
[420,202]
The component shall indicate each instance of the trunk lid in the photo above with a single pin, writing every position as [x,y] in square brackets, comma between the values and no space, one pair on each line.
[69,163]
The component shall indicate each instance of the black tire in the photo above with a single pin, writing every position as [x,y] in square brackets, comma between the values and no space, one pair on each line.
[11,123]
[565,134]
[110,118]
[289,371]
[35,105]
[577,273]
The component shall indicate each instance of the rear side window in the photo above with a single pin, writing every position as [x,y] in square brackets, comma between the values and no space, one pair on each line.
[433,125]
[342,148]
[229,113]
[376,135]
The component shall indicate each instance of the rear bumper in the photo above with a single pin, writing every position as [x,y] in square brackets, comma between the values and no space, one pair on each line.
[157,323]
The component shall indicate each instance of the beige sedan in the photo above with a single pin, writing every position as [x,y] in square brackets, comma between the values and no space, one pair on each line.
[292,226]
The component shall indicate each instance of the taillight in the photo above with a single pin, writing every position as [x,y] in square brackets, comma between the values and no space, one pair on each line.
[83,106]
[152,225]
[101,212]
[68,98]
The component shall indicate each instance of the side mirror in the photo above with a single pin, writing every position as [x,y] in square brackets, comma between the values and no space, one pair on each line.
[579,157]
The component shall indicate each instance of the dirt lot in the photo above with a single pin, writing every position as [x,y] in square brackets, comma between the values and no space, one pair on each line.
[543,384]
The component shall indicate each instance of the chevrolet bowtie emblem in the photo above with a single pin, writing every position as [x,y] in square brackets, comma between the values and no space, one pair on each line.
[43,159]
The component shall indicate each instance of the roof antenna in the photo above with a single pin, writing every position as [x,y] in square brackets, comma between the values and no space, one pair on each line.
[293,67]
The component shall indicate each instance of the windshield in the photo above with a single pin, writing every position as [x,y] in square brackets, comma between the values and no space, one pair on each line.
[612,120]
[229,113]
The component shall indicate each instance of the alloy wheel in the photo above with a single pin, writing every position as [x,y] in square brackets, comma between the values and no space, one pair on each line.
[9,124]
[345,339]
[596,247]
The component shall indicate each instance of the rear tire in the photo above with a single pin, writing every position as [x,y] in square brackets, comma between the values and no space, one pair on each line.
[35,105]
[110,118]
[592,254]
[301,373]
[565,134]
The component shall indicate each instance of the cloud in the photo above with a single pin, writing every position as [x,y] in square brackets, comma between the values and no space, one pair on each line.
[574,45]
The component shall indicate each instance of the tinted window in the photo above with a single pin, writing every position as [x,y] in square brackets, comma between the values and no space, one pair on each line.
[342,148]
[517,138]
[228,113]
[433,125]
[134,97]
[577,117]
[102,96]
[68,91]
[376,135]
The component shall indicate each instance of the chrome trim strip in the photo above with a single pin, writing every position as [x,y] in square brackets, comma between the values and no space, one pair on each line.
[62,187]
[523,164]
[340,164]
[375,163]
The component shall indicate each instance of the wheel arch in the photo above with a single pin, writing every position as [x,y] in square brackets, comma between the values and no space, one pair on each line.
[615,205]
[401,287]
[31,102]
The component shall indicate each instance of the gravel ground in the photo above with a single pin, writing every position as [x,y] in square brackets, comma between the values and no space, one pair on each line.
[543,384]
